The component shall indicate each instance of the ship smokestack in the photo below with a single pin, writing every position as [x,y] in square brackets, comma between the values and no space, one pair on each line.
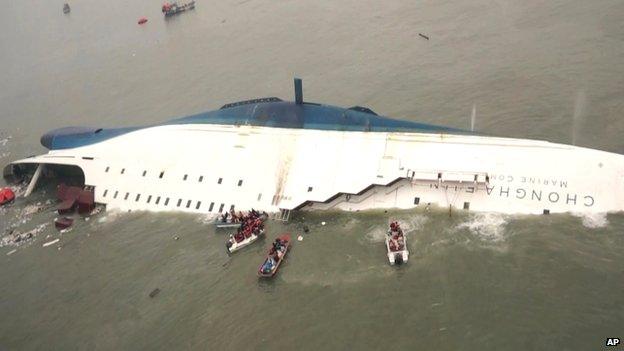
[298,91]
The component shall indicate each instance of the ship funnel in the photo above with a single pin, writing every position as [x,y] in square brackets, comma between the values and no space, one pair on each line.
[298,91]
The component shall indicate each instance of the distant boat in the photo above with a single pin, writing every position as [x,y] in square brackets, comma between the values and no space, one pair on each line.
[66,8]
[170,9]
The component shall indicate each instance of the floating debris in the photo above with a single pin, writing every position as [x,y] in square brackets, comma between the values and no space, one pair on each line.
[306,229]
[154,293]
[51,242]
[11,252]
[17,238]
[322,223]
[300,238]
[423,36]
[142,20]
[176,237]
[63,223]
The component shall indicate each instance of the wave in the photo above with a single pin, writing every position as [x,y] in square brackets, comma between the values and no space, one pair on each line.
[486,226]
[593,220]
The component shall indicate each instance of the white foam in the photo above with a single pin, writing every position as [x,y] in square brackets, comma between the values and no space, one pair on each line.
[593,220]
[487,226]
[111,215]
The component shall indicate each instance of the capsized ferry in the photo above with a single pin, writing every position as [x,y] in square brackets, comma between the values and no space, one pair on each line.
[278,156]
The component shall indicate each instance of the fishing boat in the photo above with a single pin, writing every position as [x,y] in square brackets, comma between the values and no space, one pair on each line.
[396,245]
[170,9]
[276,255]
[237,241]
[6,196]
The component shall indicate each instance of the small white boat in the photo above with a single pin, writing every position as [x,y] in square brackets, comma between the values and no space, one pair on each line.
[232,245]
[396,245]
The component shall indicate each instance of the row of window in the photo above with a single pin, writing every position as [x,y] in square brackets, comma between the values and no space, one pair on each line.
[162,174]
[166,201]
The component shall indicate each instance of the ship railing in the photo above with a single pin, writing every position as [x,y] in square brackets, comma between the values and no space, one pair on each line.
[283,215]
[440,176]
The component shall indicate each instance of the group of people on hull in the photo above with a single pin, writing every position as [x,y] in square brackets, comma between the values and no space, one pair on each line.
[397,239]
[252,223]
[232,217]
[277,252]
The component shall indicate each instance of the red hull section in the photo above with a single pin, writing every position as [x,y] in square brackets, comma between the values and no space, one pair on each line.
[6,195]
[73,197]
[63,223]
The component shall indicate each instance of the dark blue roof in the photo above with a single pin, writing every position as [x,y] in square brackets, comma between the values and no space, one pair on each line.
[267,112]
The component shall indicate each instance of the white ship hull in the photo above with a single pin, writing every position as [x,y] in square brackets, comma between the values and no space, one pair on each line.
[276,168]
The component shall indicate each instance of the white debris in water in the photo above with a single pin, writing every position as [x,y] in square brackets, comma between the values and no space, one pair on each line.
[17,238]
[66,230]
[300,238]
[322,223]
[51,242]
[30,210]
[487,226]
[4,141]
[11,252]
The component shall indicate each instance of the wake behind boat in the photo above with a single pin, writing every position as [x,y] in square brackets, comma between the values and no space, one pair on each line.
[252,227]
[276,255]
[396,244]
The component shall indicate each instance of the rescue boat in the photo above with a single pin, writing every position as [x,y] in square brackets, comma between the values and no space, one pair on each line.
[274,258]
[238,241]
[396,245]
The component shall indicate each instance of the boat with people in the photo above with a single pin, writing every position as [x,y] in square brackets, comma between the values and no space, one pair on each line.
[235,220]
[252,227]
[276,255]
[6,196]
[396,244]
[170,9]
